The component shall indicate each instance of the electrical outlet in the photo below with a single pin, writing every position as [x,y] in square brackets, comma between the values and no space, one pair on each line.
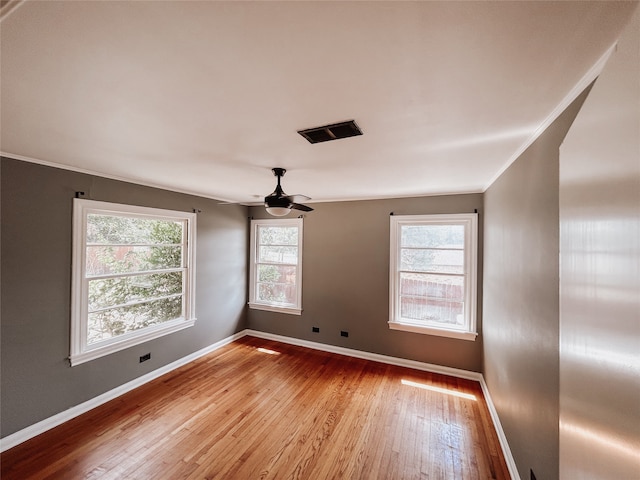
[315,329]
[344,334]
[145,357]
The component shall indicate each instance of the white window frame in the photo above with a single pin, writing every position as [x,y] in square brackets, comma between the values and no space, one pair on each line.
[470,222]
[254,303]
[82,352]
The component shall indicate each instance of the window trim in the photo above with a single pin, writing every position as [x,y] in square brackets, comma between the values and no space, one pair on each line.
[80,352]
[470,221]
[253,304]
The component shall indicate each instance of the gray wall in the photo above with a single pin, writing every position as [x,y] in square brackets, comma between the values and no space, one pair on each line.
[600,275]
[520,316]
[346,282]
[37,381]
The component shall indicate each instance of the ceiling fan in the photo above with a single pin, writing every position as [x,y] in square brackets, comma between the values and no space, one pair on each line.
[279,203]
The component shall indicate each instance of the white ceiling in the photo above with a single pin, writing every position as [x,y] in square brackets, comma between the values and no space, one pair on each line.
[206,97]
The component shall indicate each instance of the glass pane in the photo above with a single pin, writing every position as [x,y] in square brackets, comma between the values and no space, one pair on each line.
[277,274]
[437,236]
[117,291]
[108,229]
[277,235]
[427,310]
[436,287]
[277,293]
[118,321]
[102,260]
[267,254]
[437,261]
[432,298]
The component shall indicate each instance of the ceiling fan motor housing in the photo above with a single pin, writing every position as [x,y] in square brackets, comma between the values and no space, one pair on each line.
[277,199]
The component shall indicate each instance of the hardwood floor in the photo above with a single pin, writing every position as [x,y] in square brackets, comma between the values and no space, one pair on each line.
[257,409]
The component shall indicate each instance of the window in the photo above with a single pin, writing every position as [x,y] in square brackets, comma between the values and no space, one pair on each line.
[433,274]
[276,265]
[133,276]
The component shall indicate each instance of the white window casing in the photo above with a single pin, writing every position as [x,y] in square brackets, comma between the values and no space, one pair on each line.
[433,284]
[82,348]
[282,259]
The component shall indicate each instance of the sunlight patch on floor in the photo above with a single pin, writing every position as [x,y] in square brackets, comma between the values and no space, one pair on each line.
[432,388]
[266,350]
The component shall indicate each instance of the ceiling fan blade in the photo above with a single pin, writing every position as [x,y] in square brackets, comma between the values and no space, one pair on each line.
[299,206]
[299,198]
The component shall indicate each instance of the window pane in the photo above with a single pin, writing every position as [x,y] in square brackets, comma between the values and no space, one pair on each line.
[277,274]
[268,254]
[278,235]
[438,236]
[432,298]
[106,229]
[277,293]
[102,260]
[425,310]
[437,261]
[437,287]
[117,291]
[118,321]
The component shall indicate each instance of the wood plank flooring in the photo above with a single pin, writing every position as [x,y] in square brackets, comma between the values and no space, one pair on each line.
[257,409]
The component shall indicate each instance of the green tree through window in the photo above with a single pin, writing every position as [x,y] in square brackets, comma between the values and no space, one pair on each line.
[133,274]
[124,294]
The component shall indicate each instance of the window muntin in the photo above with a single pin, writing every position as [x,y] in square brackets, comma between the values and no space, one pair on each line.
[276,265]
[133,276]
[433,274]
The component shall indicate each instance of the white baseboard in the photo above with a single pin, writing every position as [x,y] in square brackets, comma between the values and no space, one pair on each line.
[25,434]
[506,451]
[31,431]
[376,357]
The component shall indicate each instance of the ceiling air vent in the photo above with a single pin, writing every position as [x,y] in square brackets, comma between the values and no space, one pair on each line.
[331,132]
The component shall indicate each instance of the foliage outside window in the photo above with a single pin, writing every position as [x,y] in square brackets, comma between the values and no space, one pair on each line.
[133,276]
[433,265]
[276,265]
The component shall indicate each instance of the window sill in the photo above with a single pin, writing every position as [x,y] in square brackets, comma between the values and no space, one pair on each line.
[130,340]
[275,308]
[440,332]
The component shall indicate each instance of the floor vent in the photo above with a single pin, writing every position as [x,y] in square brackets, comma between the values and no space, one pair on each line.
[334,131]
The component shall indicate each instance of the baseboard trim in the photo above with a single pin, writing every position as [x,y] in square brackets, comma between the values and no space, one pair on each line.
[31,431]
[506,451]
[27,433]
[376,357]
